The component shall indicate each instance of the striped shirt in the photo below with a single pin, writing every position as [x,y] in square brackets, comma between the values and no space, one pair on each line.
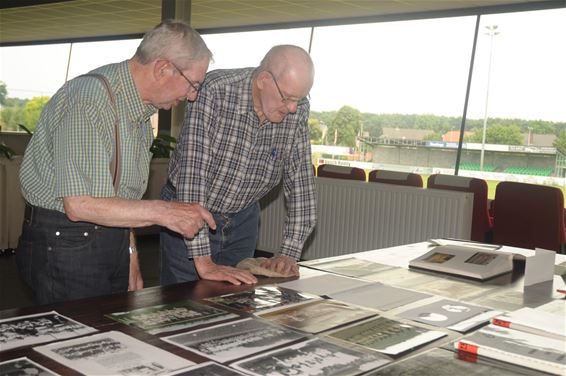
[226,160]
[71,150]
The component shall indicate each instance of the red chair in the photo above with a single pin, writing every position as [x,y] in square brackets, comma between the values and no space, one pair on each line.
[396,177]
[529,216]
[341,172]
[482,222]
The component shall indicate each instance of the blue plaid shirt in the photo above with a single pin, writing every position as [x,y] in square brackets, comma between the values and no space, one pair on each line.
[226,160]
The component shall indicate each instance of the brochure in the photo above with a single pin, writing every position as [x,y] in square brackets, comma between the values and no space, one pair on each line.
[463,261]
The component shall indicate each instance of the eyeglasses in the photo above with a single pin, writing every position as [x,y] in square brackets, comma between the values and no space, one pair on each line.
[196,86]
[284,98]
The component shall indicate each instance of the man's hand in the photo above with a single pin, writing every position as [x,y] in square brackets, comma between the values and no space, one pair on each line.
[282,264]
[187,219]
[135,281]
[207,269]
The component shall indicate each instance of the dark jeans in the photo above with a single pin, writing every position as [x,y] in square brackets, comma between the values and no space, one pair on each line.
[234,240]
[63,260]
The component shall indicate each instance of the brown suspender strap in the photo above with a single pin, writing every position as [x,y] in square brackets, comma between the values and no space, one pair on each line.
[115,162]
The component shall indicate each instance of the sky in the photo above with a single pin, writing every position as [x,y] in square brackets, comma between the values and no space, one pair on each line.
[410,67]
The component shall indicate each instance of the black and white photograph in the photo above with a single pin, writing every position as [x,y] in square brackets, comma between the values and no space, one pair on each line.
[441,362]
[24,367]
[318,316]
[171,317]
[387,336]
[311,358]
[39,328]
[207,369]
[235,339]
[444,313]
[113,353]
[262,299]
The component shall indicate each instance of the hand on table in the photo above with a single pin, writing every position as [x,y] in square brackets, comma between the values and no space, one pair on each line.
[207,269]
[282,264]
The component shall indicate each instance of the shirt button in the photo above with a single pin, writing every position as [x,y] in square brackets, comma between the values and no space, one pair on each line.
[57,233]
[49,248]
[85,234]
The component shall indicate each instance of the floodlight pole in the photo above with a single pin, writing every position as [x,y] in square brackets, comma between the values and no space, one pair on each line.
[491,32]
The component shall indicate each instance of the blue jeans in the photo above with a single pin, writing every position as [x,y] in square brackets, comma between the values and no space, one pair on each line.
[63,260]
[233,240]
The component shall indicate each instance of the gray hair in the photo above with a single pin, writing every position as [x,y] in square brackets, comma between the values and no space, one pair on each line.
[173,40]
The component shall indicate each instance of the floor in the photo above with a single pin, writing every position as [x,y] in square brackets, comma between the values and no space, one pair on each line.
[14,293]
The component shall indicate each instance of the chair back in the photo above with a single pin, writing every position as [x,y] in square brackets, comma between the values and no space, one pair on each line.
[482,223]
[341,172]
[528,216]
[396,177]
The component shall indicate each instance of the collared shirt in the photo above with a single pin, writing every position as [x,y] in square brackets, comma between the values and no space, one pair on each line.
[226,160]
[71,150]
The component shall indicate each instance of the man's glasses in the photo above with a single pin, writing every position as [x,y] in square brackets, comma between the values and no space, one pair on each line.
[195,86]
[286,100]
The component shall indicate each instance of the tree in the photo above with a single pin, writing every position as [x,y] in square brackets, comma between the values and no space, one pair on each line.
[345,127]
[315,131]
[560,142]
[32,111]
[3,93]
[498,134]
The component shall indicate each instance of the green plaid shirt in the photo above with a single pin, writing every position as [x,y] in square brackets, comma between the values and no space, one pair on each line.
[71,150]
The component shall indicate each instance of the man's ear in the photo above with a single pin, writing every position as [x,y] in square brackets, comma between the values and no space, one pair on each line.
[160,69]
[261,77]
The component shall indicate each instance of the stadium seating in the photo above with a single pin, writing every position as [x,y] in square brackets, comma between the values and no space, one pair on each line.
[341,172]
[395,177]
[534,171]
[477,167]
[529,216]
[481,221]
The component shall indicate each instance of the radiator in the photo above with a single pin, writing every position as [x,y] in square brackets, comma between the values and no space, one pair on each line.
[354,216]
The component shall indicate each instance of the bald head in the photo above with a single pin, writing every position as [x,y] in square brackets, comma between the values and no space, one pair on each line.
[291,63]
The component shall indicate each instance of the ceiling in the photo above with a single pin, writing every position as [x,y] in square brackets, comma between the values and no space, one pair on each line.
[49,21]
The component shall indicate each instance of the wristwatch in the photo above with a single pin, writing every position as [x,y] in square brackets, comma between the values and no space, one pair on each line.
[133,250]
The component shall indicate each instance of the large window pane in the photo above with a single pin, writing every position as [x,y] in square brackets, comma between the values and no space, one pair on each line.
[404,84]
[518,94]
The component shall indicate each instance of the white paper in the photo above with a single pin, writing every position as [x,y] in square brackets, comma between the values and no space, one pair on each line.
[112,353]
[324,285]
[540,267]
